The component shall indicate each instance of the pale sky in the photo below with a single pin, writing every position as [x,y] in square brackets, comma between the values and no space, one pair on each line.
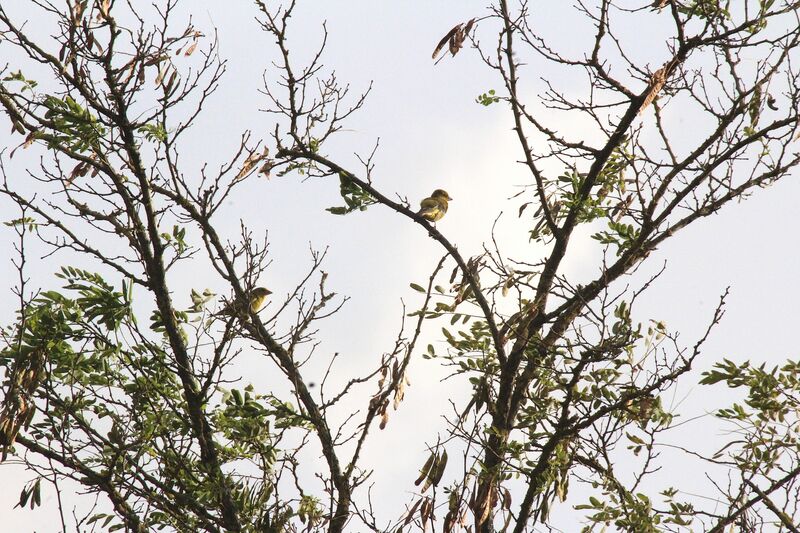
[433,135]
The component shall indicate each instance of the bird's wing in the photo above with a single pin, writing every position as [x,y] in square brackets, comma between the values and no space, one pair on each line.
[428,203]
[429,206]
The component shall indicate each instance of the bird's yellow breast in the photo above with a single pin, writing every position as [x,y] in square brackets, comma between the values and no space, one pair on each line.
[257,303]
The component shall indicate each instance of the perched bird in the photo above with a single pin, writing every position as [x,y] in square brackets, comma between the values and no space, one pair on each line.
[434,207]
[257,300]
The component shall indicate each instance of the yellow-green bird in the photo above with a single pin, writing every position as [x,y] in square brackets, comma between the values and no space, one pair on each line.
[434,207]
[257,300]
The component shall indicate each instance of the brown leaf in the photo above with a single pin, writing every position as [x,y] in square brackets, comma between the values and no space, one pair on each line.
[128,72]
[25,144]
[171,81]
[104,8]
[771,103]
[89,39]
[453,507]
[472,494]
[469,25]
[384,417]
[250,163]
[410,514]
[562,488]
[399,393]
[454,38]
[77,12]
[426,513]
[508,284]
[161,73]
[444,40]
[423,473]
[80,170]
[454,274]
[462,521]
[621,208]
[440,466]
[484,507]
[449,523]
[506,499]
[17,408]
[247,167]
[657,81]
[456,42]
[266,168]
[436,471]
[191,49]
[154,60]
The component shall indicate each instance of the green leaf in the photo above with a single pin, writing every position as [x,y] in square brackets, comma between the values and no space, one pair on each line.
[488,98]
[153,132]
[355,198]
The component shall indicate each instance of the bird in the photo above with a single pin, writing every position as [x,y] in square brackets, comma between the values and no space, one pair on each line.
[434,207]
[257,299]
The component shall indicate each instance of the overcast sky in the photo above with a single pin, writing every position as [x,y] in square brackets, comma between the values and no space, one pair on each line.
[433,135]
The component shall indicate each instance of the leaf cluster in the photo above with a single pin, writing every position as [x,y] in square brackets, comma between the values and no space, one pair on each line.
[355,198]
[75,127]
